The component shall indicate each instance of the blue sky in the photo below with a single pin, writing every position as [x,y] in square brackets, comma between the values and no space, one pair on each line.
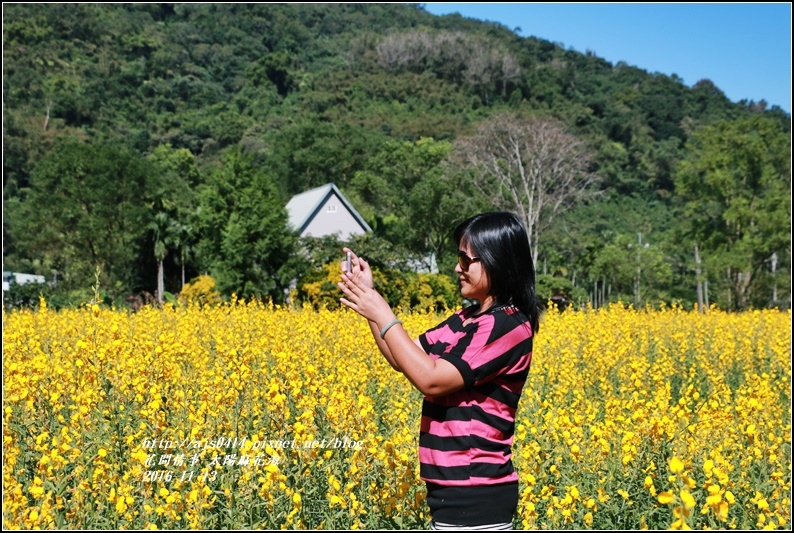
[743,48]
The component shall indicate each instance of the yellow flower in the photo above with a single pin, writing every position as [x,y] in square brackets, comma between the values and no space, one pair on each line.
[687,499]
[140,455]
[188,374]
[721,511]
[666,497]
[36,489]
[762,504]
[676,466]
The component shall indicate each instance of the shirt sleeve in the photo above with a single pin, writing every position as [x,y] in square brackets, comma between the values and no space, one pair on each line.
[470,351]
[435,335]
[489,348]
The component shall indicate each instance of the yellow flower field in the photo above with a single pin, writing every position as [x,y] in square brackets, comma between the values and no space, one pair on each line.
[249,416]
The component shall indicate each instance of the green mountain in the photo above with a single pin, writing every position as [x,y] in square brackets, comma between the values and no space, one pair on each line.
[165,111]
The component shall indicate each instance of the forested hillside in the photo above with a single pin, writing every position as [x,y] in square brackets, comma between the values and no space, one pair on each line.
[146,138]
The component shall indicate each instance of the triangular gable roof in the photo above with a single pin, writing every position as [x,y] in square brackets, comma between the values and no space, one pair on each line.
[303,207]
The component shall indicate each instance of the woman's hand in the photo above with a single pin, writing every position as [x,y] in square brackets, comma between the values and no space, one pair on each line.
[361,297]
[361,269]
[431,377]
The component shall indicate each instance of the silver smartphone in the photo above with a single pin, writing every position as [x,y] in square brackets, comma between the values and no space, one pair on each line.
[348,263]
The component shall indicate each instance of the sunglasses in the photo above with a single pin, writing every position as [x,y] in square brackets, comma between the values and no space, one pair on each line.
[465,261]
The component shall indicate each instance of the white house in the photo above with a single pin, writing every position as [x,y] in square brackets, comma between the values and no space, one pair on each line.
[325,211]
[19,279]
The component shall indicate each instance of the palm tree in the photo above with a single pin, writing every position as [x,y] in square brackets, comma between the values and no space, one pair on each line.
[164,228]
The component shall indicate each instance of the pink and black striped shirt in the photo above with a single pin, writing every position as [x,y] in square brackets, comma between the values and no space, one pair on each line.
[466,437]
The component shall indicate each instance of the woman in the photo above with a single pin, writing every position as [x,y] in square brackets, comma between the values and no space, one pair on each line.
[471,369]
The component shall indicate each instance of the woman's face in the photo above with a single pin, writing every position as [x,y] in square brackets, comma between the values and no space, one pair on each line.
[474,282]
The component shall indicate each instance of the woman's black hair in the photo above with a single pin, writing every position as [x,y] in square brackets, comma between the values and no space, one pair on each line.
[501,243]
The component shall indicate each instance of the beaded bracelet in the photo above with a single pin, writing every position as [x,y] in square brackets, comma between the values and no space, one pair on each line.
[387,326]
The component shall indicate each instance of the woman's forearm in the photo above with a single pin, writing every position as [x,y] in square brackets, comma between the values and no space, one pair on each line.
[432,377]
[383,347]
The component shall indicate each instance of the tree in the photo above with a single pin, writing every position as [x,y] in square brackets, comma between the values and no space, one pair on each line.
[409,197]
[736,185]
[531,166]
[175,205]
[483,64]
[245,240]
[439,202]
[88,207]
[165,230]
[632,270]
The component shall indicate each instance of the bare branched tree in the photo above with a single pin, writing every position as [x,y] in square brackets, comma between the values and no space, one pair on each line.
[511,71]
[532,167]
[456,56]
[404,50]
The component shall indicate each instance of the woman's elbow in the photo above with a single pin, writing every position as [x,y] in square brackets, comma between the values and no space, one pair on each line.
[434,390]
[440,380]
